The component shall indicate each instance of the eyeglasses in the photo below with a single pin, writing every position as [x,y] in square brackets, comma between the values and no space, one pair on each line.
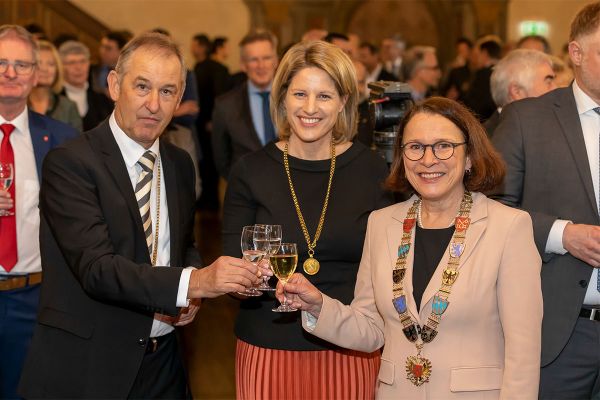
[443,150]
[20,67]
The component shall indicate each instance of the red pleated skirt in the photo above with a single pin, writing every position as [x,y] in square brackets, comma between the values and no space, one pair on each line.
[263,374]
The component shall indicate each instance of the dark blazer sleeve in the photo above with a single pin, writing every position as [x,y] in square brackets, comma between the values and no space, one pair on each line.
[509,139]
[221,137]
[70,204]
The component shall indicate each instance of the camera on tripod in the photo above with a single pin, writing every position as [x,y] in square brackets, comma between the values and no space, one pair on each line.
[388,103]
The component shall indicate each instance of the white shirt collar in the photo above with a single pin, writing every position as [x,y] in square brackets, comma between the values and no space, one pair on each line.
[583,102]
[21,122]
[131,150]
[71,88]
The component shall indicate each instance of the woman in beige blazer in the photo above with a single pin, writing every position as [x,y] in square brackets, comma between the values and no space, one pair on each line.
[449,281]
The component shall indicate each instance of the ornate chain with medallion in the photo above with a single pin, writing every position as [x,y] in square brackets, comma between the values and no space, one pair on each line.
[418,368]
[311,266]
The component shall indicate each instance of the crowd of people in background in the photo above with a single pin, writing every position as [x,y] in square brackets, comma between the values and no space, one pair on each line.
[511,122]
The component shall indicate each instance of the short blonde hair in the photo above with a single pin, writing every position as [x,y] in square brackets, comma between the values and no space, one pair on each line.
[57,84]
[337,65]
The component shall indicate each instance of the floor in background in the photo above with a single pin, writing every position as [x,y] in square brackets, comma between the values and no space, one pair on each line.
[209,341]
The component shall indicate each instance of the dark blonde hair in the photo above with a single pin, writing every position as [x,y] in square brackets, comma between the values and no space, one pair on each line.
[337,65]
[487,167]
[57,83]
[585,22]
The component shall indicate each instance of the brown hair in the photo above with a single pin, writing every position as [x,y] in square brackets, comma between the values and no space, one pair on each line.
[586,21]
[487,167]
[337,65]
[258,35]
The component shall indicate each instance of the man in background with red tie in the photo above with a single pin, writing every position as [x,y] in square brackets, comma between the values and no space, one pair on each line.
[26,137]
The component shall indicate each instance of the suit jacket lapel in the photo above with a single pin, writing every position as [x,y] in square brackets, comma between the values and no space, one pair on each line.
[474,232]
[394,236]
[41,139]
[170,177]
[568,117]
[247,118]
[106,144]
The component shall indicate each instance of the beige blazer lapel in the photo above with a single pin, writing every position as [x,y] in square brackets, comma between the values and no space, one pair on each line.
[474,232]
[394,236]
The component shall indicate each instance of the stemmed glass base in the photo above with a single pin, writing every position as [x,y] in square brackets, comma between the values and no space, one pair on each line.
[284,307]
[251,292]
[264,286]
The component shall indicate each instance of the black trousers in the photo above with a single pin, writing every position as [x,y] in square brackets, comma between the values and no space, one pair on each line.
[162,374]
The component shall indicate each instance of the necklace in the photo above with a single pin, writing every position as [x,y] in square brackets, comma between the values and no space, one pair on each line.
[418,368]
[155,244]
[311,266]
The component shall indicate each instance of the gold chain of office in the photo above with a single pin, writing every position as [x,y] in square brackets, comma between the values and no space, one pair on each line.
[311,266]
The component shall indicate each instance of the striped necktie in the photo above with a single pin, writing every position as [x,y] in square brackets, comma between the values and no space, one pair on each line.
[597,110]
[142,194]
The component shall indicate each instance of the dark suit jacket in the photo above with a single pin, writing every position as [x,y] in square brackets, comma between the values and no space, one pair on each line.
[213,80]
[233,130]
[99,291]
[386,76]
[47,133]
[492,123]
[548,175]
[479,96]
[99,108]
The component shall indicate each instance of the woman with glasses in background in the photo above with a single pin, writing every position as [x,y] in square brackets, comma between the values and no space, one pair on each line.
[45,97]
[449,281]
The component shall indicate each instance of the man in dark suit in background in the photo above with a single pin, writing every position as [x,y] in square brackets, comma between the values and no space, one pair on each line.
[117,211]
[241,119]
[368,54]
[109,50]
[485,54]
[550,145]
[93,107]
[26,137]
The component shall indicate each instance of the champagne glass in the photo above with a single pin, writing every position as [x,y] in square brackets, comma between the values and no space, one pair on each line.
[6,179]
[274,240]
[254,245]
[283,262]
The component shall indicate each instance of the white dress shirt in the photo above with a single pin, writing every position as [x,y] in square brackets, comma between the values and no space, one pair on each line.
[132,152]
[590,125]
[27,190]
[79,96]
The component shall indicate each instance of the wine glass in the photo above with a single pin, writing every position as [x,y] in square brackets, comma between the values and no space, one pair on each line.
[254,245]
[274,240]
[283,262]
[6,179]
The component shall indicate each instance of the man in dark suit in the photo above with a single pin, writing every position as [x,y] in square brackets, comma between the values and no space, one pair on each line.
[486,53]
[26,137]
[241,119]
[117,211]
[93,107]
[110,47]
[520,74]
[368,54]
[550,145]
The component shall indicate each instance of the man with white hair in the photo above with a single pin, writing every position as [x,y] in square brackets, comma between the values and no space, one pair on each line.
[522,73]
[93,107]
[421,70]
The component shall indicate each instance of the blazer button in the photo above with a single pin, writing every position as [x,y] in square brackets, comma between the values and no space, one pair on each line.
[583,283]
[142,342]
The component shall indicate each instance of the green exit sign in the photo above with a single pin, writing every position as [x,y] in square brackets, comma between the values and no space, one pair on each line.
[527,28]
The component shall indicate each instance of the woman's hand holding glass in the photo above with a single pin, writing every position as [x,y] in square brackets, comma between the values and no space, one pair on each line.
[300,294]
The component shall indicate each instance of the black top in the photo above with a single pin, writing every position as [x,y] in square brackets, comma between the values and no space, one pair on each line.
[430,245]
[258,192]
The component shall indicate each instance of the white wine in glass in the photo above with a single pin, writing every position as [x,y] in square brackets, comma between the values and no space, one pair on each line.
[254,248]
[283,262]
[6,179]
[273,242]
